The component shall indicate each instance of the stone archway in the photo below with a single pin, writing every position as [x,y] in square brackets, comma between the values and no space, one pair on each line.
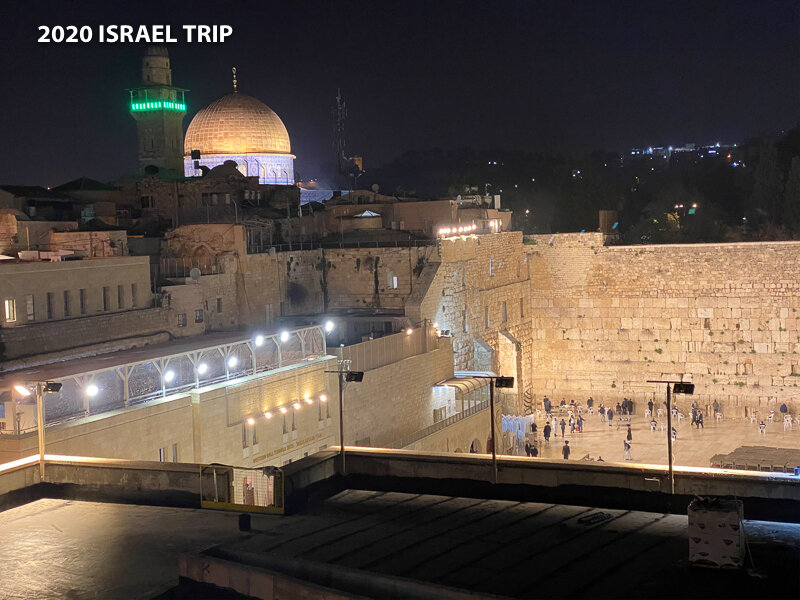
[475,446]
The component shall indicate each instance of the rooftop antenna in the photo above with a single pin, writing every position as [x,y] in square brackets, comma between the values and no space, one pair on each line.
[339,113]
[233,70]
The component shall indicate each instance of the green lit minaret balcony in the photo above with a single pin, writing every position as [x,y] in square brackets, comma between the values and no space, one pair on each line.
[153,105]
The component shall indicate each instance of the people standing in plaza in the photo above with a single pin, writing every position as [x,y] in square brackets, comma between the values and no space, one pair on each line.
[630,435]
[565,450]
[554,423]
[694,415]
[527,448]
[609,416]
[580,424]
[534,451]
[627,448]
[547,405]
[563,426]
[699,419]
[619,408]
[602,411]
[546,432]
[653,424]
[762,428]
[650,406]
[571,424]
[590,402]
[716,408]
[674,434]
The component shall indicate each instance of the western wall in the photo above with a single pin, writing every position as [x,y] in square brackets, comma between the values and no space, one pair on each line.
[608,318]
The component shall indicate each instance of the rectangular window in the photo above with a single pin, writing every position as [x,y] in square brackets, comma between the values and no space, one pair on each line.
[82,294]
[439,414]
[491,267]
[521,308]
[394,282]
[11,310]
[133,295]
[504,311]
[182,320]
[486,317]
[162,455]
[464,321]
[29,307]
[105,298]
[255,435]
[244,434]
[174,452]
[227,199]
[120,297]
[198,316]
[67,305]
[219,305]
[284,424]
[148,202]
[51,301]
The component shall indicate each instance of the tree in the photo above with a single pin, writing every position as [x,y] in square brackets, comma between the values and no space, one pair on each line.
[767,197]
[791,198]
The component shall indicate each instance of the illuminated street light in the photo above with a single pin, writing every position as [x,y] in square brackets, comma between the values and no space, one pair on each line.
[329,326]
[284,336]
[202,368]
[323,398]
[92,390]
[22,390]
[169,376]
[297,406]
[283,410]
[251,421]
[267,414]
[259,340]
[409,331]
[233,361]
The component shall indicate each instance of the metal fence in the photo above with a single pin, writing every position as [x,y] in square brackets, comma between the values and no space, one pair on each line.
[237,488]
[390,349]
[182,266]
[439,425]
[258,245]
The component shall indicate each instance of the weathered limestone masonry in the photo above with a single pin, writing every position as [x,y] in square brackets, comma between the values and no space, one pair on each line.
[479,292]
[725,316]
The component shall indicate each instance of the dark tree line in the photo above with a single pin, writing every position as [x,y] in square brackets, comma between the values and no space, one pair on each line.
[751,192]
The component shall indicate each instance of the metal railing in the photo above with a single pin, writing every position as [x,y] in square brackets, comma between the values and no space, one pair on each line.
[182,266]
[242,489]
[389,349]
[439,425]
[256,246]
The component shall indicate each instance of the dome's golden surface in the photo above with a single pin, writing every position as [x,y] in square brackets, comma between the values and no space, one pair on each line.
[237,124]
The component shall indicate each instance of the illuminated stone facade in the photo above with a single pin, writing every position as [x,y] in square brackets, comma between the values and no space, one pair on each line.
[243,129]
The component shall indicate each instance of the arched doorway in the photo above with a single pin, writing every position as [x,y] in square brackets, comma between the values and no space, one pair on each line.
[475,447]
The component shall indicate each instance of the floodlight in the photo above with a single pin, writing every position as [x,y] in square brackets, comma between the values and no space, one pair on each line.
[259,340]
[202,368]
[92,390]
[282,409]
[296,405]
[233,361]
[323,398]
[284,336]
[22,390]
[169,376]
[251,421]
[329,326]
[52,387]
[268,414]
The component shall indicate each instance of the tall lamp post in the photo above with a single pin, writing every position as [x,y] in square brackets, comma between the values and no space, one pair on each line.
[344,375]
[500,382]
[679,387]
[40,388]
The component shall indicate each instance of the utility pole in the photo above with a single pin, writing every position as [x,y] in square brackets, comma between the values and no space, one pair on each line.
[680,387]
[344,375]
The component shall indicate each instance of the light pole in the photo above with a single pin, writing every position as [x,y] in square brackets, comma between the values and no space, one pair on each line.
[41,388]
[679,388]
[501,382]
[344,374]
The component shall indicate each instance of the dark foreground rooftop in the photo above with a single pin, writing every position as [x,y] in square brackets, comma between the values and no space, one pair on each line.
[377,544]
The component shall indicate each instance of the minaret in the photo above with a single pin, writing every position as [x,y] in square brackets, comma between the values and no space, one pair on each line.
[158,108]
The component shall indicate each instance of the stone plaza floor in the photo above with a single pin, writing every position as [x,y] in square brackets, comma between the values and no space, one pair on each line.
[693,447]
[448,545]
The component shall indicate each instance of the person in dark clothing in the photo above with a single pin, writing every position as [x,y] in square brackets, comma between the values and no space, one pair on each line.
[602,411]
[784,409]
[609,416]
[534,429]
[694,416]
[590,402]
[699,419]
[674,434]
[619,408]
[580,424]
[565,450]
[528,448]
[546,432]
[650,406]
[630,435]
[716,408]
[547,405]
[563,402]
[563,427]
[534,451]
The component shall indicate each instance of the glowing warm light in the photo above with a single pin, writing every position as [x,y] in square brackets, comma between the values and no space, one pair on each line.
[22,390]
[202,368]
[309,401]
[284,336]
[436,325]
[282,409]
[296,405]
[329,325]
[169,376]
[409,331]
[233,361]
[323,398]
[259,340]
[92,390]
[251,421]
[268,414]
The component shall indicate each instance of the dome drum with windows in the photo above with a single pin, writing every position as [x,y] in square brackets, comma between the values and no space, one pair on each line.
[243,129]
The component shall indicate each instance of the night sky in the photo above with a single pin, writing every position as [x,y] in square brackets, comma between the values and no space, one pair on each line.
[552,76]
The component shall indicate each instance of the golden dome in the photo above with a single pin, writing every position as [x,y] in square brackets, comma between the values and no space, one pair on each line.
[237,124]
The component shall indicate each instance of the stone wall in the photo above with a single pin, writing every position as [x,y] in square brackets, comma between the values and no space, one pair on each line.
[724,316]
